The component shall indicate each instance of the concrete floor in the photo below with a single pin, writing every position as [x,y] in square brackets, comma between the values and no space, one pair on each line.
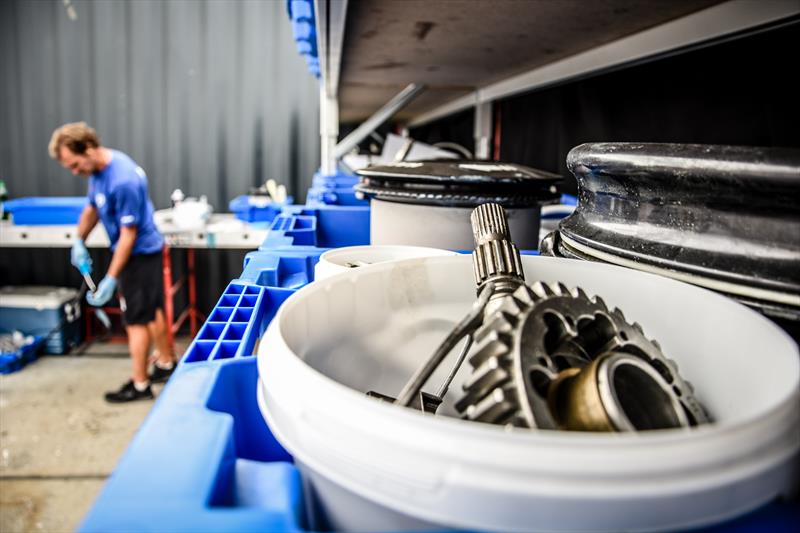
[59,439]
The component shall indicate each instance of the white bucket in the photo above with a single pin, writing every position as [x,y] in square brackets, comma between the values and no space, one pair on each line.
[443,227]
[343,259]
[376,466]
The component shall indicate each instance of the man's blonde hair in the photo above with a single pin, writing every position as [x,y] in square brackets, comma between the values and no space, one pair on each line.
[76,136]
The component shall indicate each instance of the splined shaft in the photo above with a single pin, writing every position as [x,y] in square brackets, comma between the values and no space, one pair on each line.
[495,258]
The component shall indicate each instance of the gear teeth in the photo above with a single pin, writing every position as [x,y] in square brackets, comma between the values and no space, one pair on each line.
[563,289]
[493,344]
[494,408]
[656,344]
[540,291]
[600,303]
[502,323]
[511,307]
[617,312]
[638,328]
[673,366]
[573,291]
[524,296]
[491,374]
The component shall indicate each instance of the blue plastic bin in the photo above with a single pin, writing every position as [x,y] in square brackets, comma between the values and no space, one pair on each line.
[38,211]
[246,210]
[334,190]
[301,15]
[14,361]
[320,226]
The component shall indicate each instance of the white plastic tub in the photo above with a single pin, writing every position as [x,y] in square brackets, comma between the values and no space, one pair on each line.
[341,259]
[397,223]
[375,466]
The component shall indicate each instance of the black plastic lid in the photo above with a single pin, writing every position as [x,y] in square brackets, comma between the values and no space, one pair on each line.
[458,183]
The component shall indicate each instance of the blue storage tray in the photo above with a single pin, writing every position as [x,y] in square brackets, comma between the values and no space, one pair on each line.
[38,211]
[215,464]
[14,361]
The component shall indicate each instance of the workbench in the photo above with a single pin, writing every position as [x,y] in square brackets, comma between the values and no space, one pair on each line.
[221,231]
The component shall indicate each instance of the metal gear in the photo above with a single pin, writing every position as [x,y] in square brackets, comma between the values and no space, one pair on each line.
[542,337]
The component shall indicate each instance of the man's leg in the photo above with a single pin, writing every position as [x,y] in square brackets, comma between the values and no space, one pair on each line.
[165,364]
[139,385]
[139,345]
[158,331]
[133,289]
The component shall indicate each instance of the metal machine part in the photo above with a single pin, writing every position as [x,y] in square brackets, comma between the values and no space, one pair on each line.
[498,272]
[429,202]
[551,357]
[722,217]
[458,183]
[496,258]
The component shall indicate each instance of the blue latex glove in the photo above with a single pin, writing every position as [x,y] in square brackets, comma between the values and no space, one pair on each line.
[103,293]
[79,256]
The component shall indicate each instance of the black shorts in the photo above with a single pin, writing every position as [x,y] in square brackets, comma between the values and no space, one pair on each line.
[141,284]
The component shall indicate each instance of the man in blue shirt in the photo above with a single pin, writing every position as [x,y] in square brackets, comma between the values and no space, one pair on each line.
[118,198]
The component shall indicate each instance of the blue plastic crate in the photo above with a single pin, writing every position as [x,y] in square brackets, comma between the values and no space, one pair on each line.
[218,466]
[319,226]
[301,15]
[38,211]
[248,211]
[14,361]
[334,190]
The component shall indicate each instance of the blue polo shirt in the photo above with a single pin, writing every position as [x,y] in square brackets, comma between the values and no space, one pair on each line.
[119,193]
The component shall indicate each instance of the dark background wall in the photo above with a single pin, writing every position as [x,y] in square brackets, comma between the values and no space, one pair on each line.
[207,95]
[737,92]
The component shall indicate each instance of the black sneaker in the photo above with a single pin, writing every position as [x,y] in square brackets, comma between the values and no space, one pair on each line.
[161,375]
[128,393]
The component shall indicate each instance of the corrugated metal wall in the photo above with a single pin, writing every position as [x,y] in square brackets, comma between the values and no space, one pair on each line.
[209,96]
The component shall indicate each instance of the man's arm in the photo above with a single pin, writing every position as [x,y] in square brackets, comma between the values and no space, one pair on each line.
[87,222]
[127,238]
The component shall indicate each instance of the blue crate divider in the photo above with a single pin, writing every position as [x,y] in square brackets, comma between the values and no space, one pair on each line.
[334,190]
[205,460]
[14,361]
[41,210]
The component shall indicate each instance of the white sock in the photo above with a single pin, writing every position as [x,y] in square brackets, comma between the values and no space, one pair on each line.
[164,366]
[141,386]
